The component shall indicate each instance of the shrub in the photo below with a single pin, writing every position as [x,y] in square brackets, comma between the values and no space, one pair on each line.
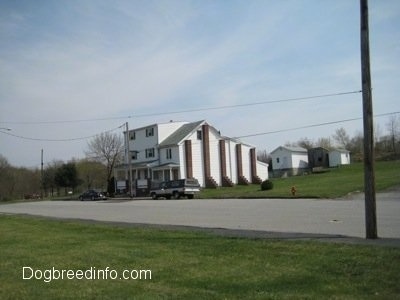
[267,185]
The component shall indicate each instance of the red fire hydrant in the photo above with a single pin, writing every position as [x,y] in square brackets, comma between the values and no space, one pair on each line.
[293,190]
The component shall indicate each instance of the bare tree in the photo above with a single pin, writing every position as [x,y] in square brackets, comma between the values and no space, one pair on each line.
[356,146]
[324,143]
[305,143]
[393,126]
[264,156]
[106,148]
[341,138]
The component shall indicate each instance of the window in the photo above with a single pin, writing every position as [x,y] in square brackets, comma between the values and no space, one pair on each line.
[277,160]
[169,153]
[150,131]
[149,152]
[133,155]
[199,134]
[132,135]
[157,175]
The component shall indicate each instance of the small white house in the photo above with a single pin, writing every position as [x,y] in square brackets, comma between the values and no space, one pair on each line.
[289,160]
[339,157]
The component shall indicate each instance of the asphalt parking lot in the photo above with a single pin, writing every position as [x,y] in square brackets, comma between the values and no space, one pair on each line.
[284,217]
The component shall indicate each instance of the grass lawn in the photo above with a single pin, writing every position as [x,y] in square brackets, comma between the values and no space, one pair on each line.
[334,183]
[187,265]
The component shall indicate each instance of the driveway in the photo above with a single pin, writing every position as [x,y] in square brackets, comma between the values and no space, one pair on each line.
[344,217]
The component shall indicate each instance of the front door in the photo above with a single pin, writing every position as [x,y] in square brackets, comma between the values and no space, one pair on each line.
[175,174]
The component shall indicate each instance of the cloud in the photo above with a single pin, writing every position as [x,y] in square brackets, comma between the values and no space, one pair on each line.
[81,60]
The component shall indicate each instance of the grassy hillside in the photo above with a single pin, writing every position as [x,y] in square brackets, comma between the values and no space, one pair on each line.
[334,183]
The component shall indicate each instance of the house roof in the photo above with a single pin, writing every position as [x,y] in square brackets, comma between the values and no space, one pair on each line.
[179,134]
[237,141]
[155,124]
[318,148]
[291,149]
[145,164]
[339,150]
[166,166]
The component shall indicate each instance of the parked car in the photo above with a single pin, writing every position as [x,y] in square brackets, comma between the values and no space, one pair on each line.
[92,195]
[176,189]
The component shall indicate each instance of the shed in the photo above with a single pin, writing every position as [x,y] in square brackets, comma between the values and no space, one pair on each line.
[289,160]
[338,157]
[318,157]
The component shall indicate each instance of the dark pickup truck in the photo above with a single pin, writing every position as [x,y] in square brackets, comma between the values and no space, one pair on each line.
[176,189]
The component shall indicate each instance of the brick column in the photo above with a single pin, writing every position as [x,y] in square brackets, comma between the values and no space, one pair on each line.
[239,162]
[208,180]
[239,165]
[206,150]
[188,159]
[222,157]
[225,180]
[253,165]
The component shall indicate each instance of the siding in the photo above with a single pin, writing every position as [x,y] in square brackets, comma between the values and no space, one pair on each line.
[215,169]
[246,166]
[299,161]
[175,155]
[182,162]
[197,156]
[231,168]
[262,170]
[337,158]
[281,159]
[141,143]
[166,129]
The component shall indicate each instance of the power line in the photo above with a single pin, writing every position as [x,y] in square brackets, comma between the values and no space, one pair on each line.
[58,140]
[314,125]
[187,110]
[247,104]
[237,137]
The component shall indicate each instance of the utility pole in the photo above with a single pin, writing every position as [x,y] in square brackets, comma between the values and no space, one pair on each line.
[128,154]
[369,155]
[41,176]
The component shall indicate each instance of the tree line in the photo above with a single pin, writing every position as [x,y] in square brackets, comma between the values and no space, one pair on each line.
[60,178]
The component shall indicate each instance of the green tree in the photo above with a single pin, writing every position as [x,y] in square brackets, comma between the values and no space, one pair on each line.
[67,176]
[49,174]
[92,174]
[5,178]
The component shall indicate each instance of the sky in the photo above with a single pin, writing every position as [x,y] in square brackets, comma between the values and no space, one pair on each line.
[72,69]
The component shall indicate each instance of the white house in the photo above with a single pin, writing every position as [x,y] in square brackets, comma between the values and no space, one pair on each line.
[339,157]
[178,150]
[289,160]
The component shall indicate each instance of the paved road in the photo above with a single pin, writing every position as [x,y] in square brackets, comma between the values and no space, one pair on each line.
[333,217]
